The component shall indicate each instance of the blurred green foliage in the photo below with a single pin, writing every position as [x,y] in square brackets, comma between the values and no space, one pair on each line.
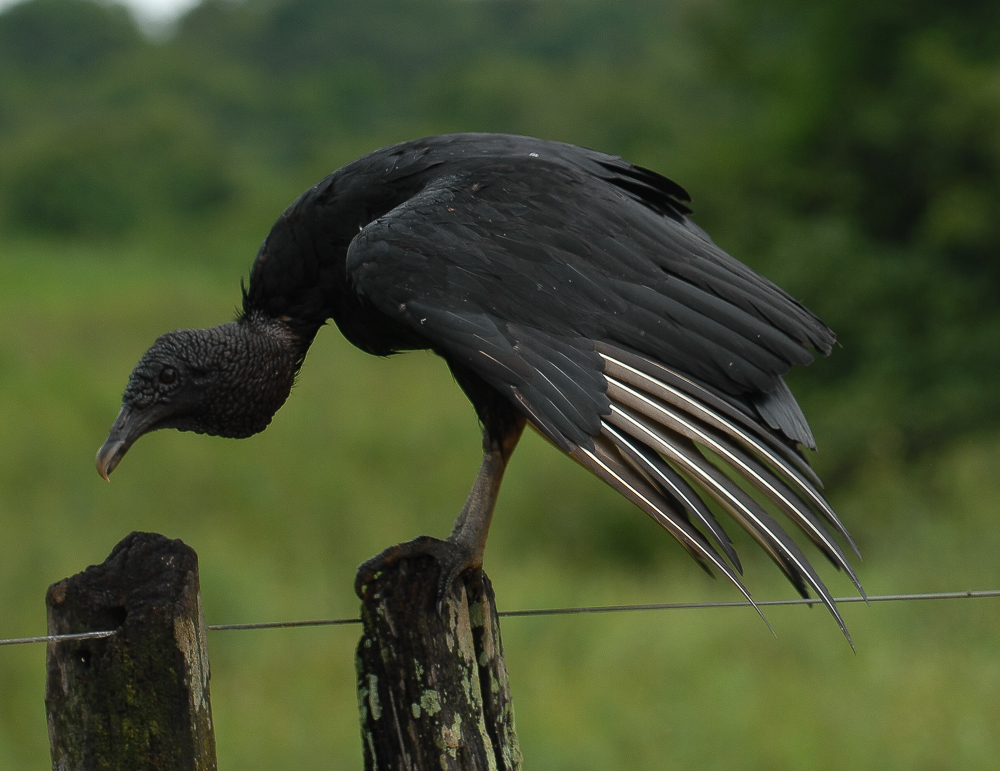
[849,150]
[368,452]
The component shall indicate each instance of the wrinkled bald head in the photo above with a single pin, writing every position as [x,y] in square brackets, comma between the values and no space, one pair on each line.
[228,380]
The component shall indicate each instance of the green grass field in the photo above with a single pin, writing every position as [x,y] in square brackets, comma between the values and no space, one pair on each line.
[369,452]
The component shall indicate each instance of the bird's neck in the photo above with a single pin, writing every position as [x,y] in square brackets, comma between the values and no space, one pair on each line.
[282,342]
[260,366]
[300,274]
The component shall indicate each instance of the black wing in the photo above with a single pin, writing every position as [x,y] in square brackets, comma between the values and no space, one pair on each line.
[624,334]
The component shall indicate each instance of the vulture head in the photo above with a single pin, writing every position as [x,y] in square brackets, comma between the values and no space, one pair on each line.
[227,380]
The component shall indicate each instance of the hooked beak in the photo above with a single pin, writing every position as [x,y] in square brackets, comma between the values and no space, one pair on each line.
[129,426]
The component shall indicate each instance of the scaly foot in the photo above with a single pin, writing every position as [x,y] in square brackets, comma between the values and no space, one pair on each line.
[453,559]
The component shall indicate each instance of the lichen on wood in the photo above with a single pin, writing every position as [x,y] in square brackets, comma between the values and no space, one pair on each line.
[438,678]
[139,699]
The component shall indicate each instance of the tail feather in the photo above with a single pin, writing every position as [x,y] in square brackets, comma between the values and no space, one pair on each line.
[760,441]
[605,461]
[660,475]
[746,466]
[780,410]
[681,390]
[649,449]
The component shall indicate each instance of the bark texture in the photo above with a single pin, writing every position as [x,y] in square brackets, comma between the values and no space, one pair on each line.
[140,699]
[432,687]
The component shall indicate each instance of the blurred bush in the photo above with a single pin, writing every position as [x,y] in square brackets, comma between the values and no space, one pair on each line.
[849,150]
[871,165]
[106,178]
[65,39]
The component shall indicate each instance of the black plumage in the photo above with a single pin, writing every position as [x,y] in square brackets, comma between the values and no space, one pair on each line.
[565,288]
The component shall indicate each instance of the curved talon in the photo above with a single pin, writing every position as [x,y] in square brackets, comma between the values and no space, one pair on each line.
[451,570]
[450,556]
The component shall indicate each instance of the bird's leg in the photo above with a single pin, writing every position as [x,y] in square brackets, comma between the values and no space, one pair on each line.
[463,550]
[472,526]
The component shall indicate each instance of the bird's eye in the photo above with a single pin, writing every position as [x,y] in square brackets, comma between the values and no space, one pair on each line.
[168,375]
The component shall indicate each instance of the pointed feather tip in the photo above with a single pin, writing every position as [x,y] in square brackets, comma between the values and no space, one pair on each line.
[850,542]
[745,592]
[762,616]
[847,635]
[831,605]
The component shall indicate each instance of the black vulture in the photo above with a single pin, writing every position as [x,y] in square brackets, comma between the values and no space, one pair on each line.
[567,290]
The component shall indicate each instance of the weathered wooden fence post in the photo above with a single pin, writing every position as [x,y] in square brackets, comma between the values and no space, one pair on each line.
[139,699]
[432,687]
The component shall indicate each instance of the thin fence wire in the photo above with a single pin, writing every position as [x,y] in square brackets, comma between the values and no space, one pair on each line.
[58,637]
[966,595]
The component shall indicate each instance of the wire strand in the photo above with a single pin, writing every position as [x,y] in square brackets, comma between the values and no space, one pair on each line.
[760,603]
[966,595]
[281,624]
[59,637]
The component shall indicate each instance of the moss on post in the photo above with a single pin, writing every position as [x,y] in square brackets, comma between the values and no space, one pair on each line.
[140,699]
[432,687]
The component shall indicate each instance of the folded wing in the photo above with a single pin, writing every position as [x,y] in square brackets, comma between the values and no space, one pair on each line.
[625,335]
